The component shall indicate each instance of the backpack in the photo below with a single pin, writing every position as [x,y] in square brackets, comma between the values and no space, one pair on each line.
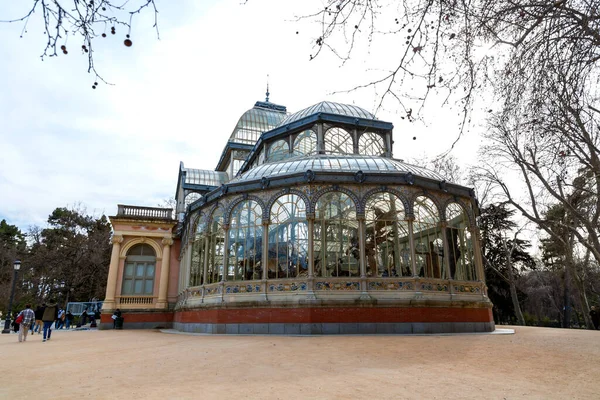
[19,319]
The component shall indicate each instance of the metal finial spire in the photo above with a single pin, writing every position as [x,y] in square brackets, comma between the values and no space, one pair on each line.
[267,100]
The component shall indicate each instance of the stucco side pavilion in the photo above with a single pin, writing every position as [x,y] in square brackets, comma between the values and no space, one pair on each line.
[308,225]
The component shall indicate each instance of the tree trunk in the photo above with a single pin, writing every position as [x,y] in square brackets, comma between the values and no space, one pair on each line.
[511,282]
[513,295]
[585,308]
[566,299]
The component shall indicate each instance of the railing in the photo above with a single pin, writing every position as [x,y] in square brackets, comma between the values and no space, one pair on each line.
[137,300]
[144,212]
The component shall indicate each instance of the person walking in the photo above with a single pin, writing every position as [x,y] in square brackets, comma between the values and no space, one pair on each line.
[50,315]
[68,319]
[60,322]
[595,314]
[116,314]
[39,324]
[84,316]
[28,319]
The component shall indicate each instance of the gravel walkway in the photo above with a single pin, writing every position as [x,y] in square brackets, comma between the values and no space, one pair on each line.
[539,363]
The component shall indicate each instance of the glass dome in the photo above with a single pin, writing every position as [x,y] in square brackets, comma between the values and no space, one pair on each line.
[330,108]
[261,118]
[337,163]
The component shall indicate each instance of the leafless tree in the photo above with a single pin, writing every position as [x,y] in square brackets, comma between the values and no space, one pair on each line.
[85,21]
[547,137]
[459,47]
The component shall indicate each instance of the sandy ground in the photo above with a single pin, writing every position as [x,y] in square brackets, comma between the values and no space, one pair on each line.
[533,363]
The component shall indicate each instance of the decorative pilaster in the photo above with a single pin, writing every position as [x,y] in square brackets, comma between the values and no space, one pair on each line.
[411,243]
[264,261]
[188,267]
[320,139]
[163,285]
[310,295]
[205,261]
[310,217]
[113,274]
[443,226]
[226,254]
[362,262]
[476,239]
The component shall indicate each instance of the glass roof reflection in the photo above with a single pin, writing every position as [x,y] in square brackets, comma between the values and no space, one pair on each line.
[338,163]
[331,108]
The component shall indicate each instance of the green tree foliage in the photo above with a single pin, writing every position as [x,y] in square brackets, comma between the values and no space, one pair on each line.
[68,260]
[12,247]
[505,259]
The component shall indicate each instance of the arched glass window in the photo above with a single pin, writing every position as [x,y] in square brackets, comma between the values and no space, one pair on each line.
[371,144]
[336,245]
[138,274]
[429,246]
[216,248]
[305,143]
[198,251]
[338,141]
[191,197]
[279,150]
[288,238]
[261,156]
[386,240]
[245,241]
[460,244]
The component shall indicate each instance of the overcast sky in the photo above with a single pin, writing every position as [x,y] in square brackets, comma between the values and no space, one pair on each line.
[174,99]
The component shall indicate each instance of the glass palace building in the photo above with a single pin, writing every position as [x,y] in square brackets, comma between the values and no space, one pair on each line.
[307,225]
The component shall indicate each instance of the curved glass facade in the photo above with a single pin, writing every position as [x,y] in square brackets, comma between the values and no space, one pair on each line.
[343,216]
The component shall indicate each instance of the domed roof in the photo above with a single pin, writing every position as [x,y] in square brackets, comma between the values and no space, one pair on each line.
[336,163]
[263,117]
[330,108]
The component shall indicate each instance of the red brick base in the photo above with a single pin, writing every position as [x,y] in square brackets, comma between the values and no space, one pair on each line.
[334,315]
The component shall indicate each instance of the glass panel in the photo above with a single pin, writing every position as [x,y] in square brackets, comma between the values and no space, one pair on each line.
[150,270]
[216,238]
[139,270]
[138,287]
[460,245]
[305,143]
[429,247]
[288,238]
[245,242]
[336,245]
[127,286]
[149,286]
[338,141]
[371,144]
[128,269]
[386,241]
[279,150]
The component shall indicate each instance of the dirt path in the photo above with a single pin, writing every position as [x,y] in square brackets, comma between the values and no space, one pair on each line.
[533,363]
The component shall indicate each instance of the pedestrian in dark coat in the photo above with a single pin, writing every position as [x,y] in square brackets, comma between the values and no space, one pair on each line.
[50,315]
[595,315]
